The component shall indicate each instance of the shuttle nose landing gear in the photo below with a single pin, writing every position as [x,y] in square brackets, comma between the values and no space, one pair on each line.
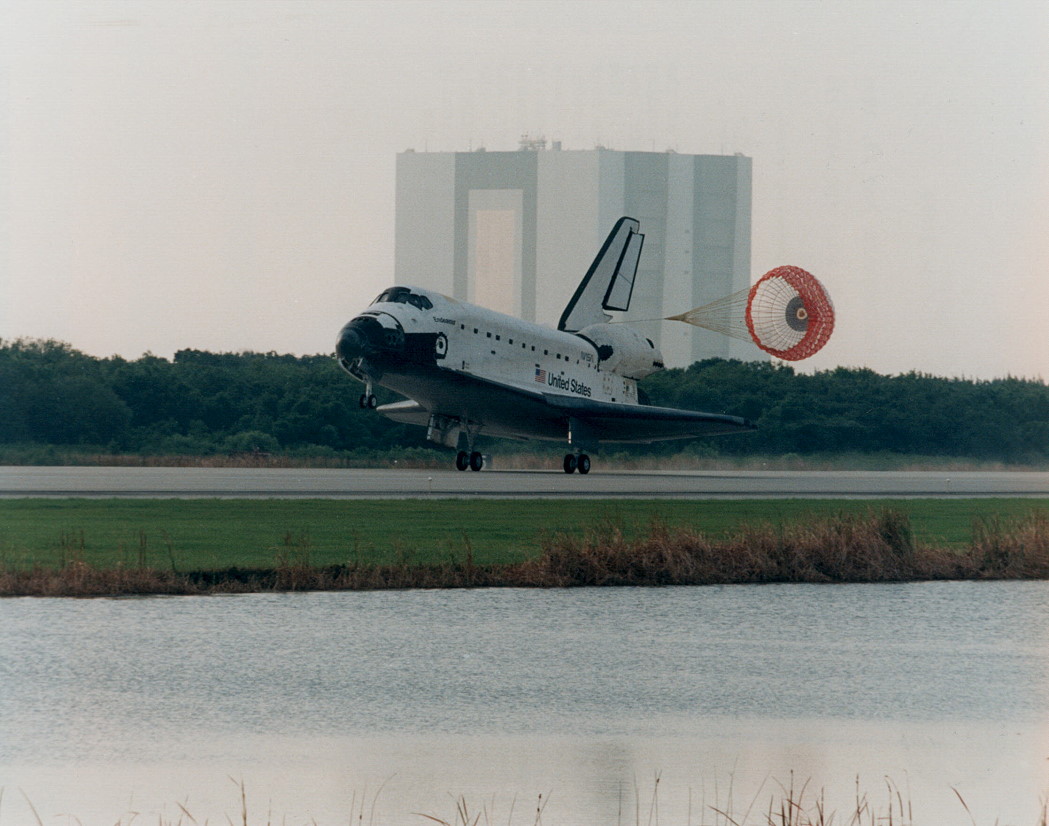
[367,399]
[572,463]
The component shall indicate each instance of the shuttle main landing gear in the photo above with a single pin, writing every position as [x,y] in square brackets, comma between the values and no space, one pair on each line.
[468,458]
[473,460]
[574,462]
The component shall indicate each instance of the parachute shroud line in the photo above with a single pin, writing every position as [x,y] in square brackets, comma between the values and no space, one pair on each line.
[787,313]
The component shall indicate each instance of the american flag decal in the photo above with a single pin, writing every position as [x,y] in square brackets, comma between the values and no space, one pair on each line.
[540,375]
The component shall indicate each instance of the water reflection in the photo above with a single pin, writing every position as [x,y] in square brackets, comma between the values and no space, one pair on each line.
[584,695]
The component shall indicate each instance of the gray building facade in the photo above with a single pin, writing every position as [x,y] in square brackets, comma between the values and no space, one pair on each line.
[516,232]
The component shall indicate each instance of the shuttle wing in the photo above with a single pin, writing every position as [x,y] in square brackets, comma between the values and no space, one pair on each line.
[503,410]
[610,422]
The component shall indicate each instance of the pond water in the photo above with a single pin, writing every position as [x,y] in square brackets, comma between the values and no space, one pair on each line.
[376,707]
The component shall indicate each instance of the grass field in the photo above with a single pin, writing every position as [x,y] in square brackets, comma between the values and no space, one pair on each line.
[202,534]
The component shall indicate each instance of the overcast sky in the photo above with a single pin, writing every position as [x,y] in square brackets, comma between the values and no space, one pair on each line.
[220,175]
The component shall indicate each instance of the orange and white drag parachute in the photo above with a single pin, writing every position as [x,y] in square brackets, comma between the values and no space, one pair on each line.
[787,313]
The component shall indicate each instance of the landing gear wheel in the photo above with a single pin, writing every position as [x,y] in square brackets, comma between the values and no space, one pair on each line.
[583,463]
[570,463]
[462,460]
[368,401]
[476,461]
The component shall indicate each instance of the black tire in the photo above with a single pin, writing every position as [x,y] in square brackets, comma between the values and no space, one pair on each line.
[476,461]
[372,402]
[462,460]
[569,464]
[583,463]
[362,401]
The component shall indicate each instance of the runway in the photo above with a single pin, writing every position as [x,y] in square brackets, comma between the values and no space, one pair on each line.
[219,483]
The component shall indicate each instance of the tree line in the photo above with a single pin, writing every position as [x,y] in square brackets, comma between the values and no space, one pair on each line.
[201,403]
[848,410]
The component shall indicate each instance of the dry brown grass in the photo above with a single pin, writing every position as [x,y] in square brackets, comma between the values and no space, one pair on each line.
[1012,549]
[874,547]
[877,546]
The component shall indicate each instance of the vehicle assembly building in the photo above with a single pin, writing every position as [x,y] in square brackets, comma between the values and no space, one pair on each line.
[516,231]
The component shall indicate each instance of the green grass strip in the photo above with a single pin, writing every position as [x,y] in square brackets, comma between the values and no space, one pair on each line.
[209,534]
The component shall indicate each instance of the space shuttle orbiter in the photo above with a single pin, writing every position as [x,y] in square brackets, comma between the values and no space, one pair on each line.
[467,370]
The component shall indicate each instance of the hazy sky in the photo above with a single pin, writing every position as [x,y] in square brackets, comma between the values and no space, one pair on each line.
[220,175]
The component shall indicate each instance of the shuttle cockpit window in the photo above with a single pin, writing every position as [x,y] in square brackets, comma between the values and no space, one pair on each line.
[402,295]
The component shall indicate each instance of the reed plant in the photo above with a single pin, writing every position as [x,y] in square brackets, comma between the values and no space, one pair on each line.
[776,803]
